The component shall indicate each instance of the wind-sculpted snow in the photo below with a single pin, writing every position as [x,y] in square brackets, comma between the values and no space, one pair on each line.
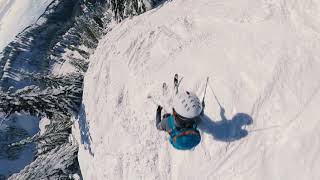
[261,122]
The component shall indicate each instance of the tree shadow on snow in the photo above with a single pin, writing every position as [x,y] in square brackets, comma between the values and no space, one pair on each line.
[226,130]
[84,129]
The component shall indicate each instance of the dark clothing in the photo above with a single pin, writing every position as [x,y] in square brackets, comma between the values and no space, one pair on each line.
[162,124]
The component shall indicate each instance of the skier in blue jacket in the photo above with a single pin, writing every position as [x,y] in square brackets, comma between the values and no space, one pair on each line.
[186,114]
[187,111]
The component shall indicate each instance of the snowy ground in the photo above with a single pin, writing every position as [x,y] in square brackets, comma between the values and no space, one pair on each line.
[16,15]
[263,60]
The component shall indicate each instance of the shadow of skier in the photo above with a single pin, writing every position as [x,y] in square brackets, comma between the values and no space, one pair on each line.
[226,130]
[84,129]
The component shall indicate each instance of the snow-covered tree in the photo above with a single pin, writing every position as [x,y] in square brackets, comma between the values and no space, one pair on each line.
[63,100]
[125,8]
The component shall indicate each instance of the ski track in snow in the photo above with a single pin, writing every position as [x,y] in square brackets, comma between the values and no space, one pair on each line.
[262,58]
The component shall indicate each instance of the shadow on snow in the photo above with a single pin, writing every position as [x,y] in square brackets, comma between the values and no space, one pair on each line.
[226,130]
[84,129]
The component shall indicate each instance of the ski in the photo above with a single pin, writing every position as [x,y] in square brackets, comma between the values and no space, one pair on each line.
[176,83]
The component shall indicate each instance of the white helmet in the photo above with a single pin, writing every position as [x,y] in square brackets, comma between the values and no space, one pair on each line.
[187,104]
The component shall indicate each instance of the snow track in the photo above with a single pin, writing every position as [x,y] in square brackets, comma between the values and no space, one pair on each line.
[262,58]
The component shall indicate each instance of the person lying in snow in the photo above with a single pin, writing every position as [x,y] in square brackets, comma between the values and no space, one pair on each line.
[182,123]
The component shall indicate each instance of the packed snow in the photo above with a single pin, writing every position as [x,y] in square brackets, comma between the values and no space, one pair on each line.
[263,61]
[16,15]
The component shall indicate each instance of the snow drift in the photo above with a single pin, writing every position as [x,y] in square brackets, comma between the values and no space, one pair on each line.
[262,58]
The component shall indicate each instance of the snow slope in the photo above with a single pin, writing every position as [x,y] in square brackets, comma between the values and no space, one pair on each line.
[16,15]
[263,61]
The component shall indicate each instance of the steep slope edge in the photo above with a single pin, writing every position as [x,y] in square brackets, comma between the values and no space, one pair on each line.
[263,61]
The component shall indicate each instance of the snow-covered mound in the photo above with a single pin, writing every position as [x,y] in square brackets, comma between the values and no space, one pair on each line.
[16,15]
[263,61]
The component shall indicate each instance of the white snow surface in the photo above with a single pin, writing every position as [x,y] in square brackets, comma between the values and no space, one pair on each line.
[42,124]
[16,15]
[263,60]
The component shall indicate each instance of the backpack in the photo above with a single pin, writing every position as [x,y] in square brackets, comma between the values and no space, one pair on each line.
[183,138]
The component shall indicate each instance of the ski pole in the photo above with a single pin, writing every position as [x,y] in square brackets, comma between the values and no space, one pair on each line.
[214,94]
[205,90]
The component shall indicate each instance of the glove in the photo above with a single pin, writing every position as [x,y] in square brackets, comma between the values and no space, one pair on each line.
[159,109]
